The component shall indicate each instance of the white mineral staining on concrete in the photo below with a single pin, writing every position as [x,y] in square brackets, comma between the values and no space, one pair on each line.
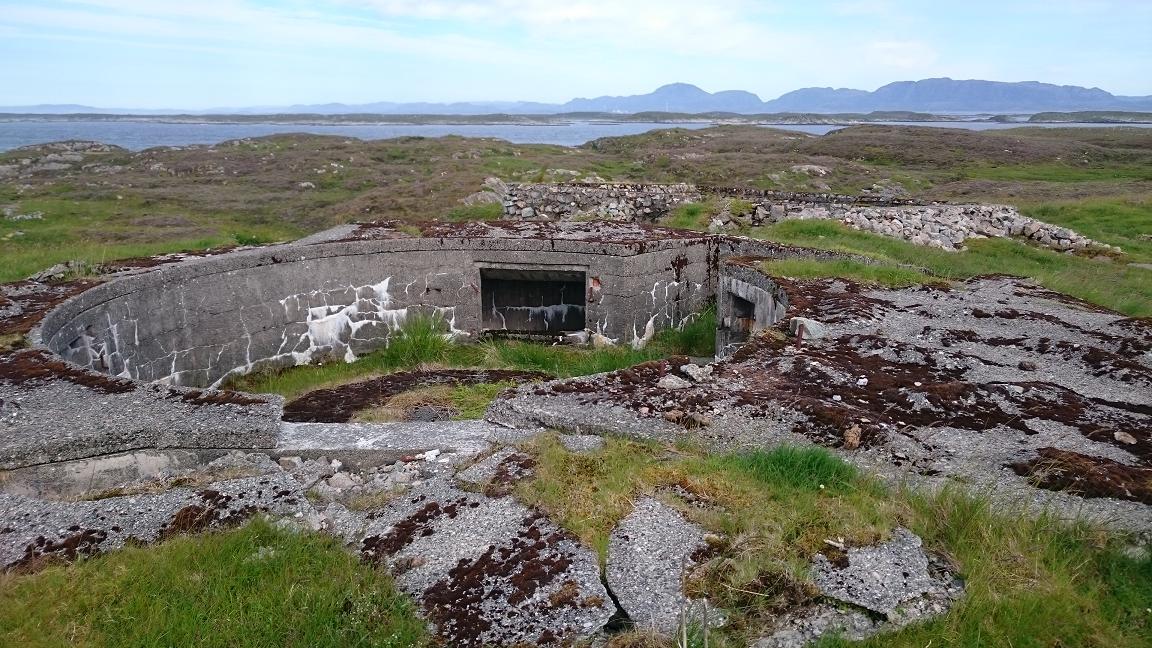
[332,326]
[329,327]
[649,554]
[641,341]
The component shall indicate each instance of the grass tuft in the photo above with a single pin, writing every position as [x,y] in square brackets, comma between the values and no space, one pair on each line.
[793,468]
[889,276]
[254,586]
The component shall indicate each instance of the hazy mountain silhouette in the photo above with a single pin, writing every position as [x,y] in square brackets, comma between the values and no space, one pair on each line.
[928,95]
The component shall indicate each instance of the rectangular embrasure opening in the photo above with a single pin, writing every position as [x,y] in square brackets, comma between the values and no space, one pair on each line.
[522,299]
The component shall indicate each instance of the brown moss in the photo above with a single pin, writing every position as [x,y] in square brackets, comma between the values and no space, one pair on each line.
[1086,476]
[340,404]
[35,366]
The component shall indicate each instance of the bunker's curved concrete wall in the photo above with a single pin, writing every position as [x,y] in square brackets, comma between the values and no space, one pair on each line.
[193,323]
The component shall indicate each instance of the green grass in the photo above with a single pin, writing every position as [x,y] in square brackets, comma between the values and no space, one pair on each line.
[1061,173]
[695,337]
[255,586]
[690,216]
[1031,581]
[478,212]
[793,468]
[99,230]
[1112,284]
[890,276]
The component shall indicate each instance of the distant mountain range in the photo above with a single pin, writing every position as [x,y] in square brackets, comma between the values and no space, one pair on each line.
[928,95]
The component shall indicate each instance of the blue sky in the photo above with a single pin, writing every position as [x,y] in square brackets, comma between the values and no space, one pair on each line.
[215,53]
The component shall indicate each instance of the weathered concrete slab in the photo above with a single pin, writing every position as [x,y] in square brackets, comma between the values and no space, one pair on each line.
[881,589]
[581,443]
[497,473]
[458,440]
[650,552]
[878,578]
[49,420]
[488,572]
[73,479]
[37,528]
[809,625]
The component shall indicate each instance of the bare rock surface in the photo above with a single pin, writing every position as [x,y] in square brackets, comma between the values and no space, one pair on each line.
[1018,391]
[488,572]
[650,552]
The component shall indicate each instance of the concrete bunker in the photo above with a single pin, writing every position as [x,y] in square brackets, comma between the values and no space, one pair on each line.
[533,299]
[343,294]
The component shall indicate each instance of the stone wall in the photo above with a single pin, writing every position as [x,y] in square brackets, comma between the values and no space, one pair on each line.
[615,201]
[940,225]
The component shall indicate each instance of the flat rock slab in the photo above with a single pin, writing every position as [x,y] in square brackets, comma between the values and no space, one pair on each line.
[36,528]
[582,442]
[648,554]
[488,572]
[457,440]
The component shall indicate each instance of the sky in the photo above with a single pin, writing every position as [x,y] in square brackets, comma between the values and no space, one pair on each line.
[200,54]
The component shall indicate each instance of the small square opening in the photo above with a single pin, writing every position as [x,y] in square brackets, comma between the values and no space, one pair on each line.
[529,300]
